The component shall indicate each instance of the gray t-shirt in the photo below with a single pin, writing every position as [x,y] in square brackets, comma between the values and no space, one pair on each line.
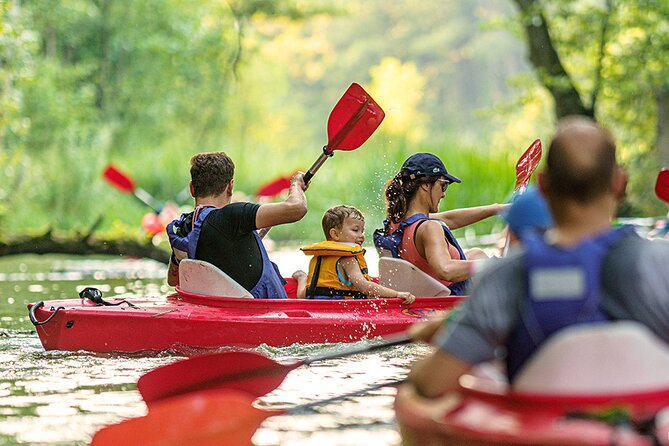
[635,287]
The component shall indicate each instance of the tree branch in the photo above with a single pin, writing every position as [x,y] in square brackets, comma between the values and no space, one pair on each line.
[47,243]
[602,44]
[546,60]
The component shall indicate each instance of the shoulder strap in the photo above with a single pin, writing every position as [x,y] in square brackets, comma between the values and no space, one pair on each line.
[450,238]
[453,241]
[311,291]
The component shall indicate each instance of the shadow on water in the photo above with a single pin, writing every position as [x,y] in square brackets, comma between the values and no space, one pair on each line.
[63,398]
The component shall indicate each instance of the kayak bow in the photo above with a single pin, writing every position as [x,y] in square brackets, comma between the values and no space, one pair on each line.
[187,321]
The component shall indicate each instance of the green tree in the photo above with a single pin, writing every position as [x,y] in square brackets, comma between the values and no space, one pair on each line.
[92,81]
[608,59]
[401,88]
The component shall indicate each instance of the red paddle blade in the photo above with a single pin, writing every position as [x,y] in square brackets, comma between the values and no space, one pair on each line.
[527,163]
[118,179]
[249,372]
[273,188]
[662,185]
[210,418]
[353,120]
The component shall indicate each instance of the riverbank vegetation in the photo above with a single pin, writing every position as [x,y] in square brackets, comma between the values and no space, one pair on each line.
[145,85]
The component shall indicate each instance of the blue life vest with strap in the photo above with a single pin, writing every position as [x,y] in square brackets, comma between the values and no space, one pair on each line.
[393,241]
[563,288]
[184,234]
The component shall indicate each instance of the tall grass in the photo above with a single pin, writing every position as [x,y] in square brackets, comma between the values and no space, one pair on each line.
[64,190]
[358,178]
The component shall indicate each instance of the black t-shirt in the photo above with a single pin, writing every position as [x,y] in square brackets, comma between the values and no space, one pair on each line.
[227,241]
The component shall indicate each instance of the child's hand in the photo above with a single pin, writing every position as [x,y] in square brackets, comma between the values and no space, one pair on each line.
[300,275]
[407,298]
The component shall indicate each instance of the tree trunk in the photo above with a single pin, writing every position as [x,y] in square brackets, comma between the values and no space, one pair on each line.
[81,245]
[546,60]
[662,141]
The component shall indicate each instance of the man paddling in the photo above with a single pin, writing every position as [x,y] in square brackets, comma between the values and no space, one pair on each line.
[581,271]
[224,233]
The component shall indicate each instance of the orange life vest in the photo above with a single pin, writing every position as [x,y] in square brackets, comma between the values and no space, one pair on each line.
[325,277]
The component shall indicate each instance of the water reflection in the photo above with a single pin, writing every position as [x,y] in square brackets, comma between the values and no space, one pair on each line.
[63,398]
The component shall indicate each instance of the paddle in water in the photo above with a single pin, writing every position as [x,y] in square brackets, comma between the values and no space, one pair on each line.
[250,372]
[218,417]
[352,121]
[662,185]
[125,184]
[525,167]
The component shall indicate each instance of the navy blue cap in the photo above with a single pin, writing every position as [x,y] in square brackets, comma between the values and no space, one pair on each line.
[528,211]
[427,165]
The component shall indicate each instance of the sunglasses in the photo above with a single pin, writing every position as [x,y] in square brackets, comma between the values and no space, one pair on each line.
[444,184]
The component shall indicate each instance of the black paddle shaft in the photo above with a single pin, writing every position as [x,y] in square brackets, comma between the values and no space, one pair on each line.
[400,340]
[302,408]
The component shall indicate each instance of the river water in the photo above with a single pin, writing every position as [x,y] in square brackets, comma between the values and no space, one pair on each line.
[63,398]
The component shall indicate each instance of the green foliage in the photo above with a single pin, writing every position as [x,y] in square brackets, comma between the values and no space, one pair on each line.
[615,53]
[358,178]
[462,69]
[147,84]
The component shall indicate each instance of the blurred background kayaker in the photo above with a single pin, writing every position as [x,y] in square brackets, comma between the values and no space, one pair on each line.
[224,233]
[416,231]
[661,228]
[528,212]
[581,272]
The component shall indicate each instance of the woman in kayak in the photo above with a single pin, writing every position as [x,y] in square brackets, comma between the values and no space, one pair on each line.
[415,231]
[338,269]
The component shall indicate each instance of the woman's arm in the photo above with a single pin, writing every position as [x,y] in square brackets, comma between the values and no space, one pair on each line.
[459,218]
[431,244]
[352,270]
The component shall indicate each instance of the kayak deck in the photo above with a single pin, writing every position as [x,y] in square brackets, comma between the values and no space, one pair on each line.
[183,321]
[589,384]
[478,414]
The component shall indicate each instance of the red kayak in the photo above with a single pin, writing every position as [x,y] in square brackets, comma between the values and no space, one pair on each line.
[603,385]
[478,414]
[183,321]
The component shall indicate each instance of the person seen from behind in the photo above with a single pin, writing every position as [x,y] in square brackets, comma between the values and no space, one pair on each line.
[338,269]
[581,271]
[224,233]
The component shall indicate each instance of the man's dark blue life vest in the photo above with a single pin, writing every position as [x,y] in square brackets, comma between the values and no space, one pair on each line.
[393,241]
[184,234]
[563,288]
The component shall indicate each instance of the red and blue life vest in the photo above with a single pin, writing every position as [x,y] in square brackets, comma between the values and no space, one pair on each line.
[392,241]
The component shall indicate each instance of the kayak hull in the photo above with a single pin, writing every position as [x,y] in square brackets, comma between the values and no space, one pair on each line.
[482,413]
[185,321]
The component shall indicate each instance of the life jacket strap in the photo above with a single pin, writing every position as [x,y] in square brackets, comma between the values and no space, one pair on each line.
[314,279]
